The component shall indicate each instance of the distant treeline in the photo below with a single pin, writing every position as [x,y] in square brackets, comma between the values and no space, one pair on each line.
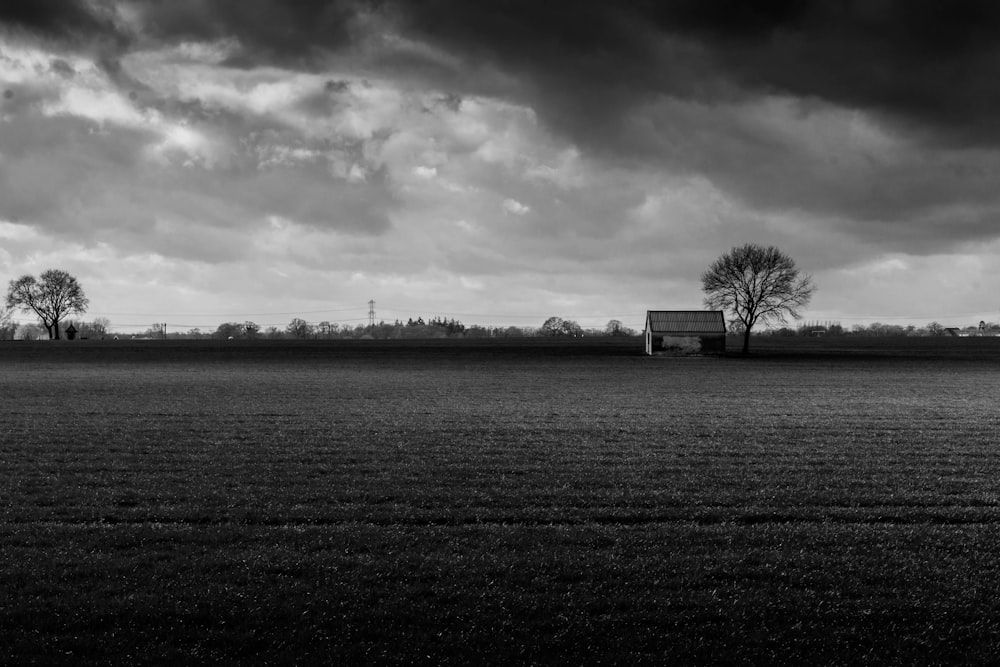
[440,327]
[435,327]
[880,329]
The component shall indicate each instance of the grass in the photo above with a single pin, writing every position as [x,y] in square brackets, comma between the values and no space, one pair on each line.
[473,502]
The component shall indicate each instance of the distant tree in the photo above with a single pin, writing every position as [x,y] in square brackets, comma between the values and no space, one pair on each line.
[28,332]
[756,285]
[228,330]
[453,326]
[250,329]
[155,330]
[478,331]
[554,326]
[557,326]
[53,296]
[880,329]
[299,328]
[99,326]
[616,328]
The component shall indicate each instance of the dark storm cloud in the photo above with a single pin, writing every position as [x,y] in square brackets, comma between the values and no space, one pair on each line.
[582,63]
[56,18]
[933,63]
[294,33]
[670,83]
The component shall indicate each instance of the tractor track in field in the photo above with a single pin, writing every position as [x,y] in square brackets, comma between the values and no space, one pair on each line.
[923,516]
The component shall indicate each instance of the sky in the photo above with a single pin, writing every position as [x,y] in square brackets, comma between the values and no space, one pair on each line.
[202,161]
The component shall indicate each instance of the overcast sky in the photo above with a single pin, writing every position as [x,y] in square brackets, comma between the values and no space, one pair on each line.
[201,161]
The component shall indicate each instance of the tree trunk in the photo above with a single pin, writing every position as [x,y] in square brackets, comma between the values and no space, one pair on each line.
[746,341]
[55,327]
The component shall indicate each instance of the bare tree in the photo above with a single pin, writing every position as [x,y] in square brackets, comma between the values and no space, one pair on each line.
[756,285]
[228,330]
[557,326]
[616,328]
[554,326]
[299,328]
[53,296]
[99,326]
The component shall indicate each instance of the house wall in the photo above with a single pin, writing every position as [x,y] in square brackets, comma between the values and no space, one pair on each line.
[711,343]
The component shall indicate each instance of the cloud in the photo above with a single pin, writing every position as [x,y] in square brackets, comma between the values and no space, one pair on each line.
[268,31]
[427,173]
[614,55]
[74,20]
[585,63]
[515,207]
[837,110]
[466,146]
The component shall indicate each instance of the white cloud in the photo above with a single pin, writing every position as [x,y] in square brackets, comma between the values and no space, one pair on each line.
[565,171]
[22,64]
[18,233]
[357,174]
[515,207]
[427,173]
[100,106]
[207,53]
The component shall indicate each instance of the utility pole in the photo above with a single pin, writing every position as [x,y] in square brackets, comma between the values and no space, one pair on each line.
[371,313]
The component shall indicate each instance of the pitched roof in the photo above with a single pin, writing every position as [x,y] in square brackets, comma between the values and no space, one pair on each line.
[688,321]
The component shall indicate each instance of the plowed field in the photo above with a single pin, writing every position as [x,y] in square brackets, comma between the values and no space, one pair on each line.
[499,503]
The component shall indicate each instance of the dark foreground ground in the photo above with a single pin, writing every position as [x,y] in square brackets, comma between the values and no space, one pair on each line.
[820,502]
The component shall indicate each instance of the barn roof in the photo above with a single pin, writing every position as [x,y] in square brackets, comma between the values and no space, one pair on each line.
[688,321]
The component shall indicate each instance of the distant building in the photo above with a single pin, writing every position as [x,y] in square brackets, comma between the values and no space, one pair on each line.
[685,332]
